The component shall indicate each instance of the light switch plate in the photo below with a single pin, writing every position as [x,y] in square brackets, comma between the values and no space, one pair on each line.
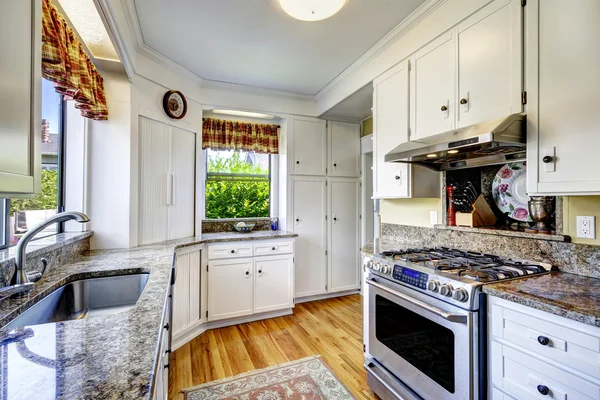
[586,227]
[433,217]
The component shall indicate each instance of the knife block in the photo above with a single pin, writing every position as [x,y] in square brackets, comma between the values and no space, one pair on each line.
[482,215]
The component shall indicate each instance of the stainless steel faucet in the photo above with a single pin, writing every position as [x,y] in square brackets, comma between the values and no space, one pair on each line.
[22,282]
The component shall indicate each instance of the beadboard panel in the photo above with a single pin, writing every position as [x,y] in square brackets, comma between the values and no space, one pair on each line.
[186,296]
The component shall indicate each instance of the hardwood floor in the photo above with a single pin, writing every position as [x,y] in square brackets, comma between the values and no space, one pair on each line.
[331,328]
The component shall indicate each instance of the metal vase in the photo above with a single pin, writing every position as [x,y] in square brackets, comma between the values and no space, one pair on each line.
[541,209]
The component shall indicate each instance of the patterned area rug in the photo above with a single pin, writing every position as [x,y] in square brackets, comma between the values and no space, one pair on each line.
[306,379]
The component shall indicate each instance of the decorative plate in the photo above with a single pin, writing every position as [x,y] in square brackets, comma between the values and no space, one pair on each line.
[509,190]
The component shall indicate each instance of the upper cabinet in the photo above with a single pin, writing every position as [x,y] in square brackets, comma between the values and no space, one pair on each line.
[390,128]
[20,107]
[433,72]
[490,63]
[344,149]
[308,150]
[563,90]
[470,74]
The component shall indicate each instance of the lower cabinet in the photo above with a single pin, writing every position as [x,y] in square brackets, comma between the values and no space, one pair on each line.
[245,286]
[186,296]
[161,375]
[535,355]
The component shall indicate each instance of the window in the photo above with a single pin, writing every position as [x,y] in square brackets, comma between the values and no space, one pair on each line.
[238,184]
[19,215]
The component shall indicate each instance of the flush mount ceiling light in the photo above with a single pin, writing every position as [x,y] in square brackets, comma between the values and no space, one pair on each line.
[311,10]
[243,114]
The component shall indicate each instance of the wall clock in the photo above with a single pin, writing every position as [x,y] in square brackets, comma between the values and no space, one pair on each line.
[174,104]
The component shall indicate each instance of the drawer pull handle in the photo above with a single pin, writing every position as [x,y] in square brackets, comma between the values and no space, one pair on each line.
[543,340]
[543,390]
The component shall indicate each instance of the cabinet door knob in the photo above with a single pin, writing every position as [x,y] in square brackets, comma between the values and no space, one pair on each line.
[464,101]
[397,177]
[334,165]
[444,108]
[247,272]
[543,340]
[297,219]
[232,251]
[335,218]
[260,271]
[167,366]
[297,162]
[166,326]
[543,390]
[547,159]
[273,249]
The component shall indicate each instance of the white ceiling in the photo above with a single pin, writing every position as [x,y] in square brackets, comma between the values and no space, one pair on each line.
[355,107]
[255,43]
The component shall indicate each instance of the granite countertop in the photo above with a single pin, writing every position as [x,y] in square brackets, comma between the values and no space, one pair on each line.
[568,295]
[105,357]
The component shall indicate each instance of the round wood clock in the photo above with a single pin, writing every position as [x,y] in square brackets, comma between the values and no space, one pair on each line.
[174,104]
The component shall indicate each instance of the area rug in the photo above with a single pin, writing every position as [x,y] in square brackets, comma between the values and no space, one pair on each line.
[306,379]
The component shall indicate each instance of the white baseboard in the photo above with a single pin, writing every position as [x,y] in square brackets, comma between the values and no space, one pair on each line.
[192,332]
[326,296]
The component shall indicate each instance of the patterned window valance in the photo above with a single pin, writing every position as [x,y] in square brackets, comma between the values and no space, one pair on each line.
[65,63]
[218,134]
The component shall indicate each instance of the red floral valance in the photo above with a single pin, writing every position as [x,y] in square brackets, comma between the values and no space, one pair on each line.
[65,63]
[218,134]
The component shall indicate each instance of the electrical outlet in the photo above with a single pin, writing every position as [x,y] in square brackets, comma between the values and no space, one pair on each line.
[433,217]
[586,227]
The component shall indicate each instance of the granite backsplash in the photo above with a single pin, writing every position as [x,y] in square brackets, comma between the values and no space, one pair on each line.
[568,257]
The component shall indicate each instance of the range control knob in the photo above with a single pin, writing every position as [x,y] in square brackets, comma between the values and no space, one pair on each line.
[461,295]
[433,286]
[377,266]
[446,290]
[385,269]
[370,264]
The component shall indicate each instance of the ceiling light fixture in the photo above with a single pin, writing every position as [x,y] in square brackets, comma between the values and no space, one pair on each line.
[243,114]
[431,155]
[311,10]
[452,151]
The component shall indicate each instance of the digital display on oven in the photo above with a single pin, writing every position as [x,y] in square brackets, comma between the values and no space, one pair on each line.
[410,276]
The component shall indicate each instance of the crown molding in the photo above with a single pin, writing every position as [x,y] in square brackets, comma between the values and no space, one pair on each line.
[389,39]
[234,87]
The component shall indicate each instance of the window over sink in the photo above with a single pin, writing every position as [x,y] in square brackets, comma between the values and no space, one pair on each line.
[18,215]
[238,184]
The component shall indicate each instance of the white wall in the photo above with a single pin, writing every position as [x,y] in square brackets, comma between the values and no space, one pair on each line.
[108,197]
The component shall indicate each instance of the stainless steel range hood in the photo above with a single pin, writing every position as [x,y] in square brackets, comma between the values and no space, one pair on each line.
[487,143]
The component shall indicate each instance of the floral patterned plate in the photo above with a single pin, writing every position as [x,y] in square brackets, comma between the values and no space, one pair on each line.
[509,190]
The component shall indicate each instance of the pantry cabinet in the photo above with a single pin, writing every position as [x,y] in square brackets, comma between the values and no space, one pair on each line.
[432,77]
[490,63]
[343,143]
[167,182]
[308,150]
[240,285]
[533,354]
[563,91]
[344,234]
[390,125]
[20,106]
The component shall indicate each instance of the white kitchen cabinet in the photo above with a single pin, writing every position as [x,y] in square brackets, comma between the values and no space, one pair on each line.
[490,63]
[273,283]
[344,234]
[563,91]
[20,107]
[161,375]
[432,88]
[344,149]
[308,151]
[186,293]
[167,182]
[530,348]
[390,124]
[308,210]
[230,288]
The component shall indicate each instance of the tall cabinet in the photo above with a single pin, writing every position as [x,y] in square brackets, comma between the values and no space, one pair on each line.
[325,205]
[167,182]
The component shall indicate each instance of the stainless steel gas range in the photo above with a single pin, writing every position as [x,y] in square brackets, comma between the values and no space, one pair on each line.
[426,321]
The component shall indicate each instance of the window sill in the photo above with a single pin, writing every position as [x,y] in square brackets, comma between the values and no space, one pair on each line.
[43,245]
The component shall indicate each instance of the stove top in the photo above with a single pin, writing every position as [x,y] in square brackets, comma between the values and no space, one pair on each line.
[451,275]
[479,267]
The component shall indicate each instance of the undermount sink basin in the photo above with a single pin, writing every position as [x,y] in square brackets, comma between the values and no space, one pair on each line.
[84,298]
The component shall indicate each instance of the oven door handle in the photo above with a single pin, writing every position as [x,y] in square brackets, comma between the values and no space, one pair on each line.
[440,313]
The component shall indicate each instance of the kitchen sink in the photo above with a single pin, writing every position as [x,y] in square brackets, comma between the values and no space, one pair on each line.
[85,298]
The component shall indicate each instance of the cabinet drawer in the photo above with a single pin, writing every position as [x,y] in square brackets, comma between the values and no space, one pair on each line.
[274,247]
[230,250]
[552,338]
[528,378]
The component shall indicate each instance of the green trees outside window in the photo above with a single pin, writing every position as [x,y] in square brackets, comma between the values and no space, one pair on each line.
[238,185]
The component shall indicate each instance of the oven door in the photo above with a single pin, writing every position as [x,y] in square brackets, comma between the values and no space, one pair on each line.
[428,344]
